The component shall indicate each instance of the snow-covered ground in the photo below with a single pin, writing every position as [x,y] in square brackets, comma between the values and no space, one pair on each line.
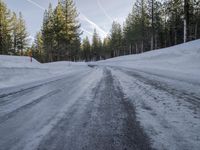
[17,70]
[136,101]
[180,62]
[164,86]
[168,110]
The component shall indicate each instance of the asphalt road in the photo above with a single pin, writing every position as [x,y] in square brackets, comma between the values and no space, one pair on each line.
[86,110]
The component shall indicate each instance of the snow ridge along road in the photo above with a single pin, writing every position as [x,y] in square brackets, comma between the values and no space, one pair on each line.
[168,109]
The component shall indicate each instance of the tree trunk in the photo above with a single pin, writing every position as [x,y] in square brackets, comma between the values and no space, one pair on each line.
[152,42]
[196,30]
[185,31]
[130,48]
[152,20]
[186,20]
[175,37]
[124,51]
[156,42]
[142,46]
[136,48]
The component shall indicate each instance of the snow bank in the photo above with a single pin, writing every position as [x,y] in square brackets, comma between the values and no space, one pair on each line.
[17,62]
[181,62]
[18,70]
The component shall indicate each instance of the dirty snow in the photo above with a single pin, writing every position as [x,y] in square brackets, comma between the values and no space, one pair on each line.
[164,86]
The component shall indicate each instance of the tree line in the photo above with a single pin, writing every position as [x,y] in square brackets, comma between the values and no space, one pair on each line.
[59,38]
[152,24]
[13,33]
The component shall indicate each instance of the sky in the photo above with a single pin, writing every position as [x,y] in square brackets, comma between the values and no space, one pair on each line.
[93,14]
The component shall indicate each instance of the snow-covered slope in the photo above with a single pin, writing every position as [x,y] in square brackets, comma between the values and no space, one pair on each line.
[17,62]
[18,70]
[181,62]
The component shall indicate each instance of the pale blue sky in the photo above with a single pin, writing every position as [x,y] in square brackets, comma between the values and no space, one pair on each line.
[97,14]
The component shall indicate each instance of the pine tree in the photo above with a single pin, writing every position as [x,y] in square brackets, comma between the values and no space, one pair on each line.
[175,8]
[152,6]
[22,35]
[86,49]
[116,39]
[157,24]
[48,34]
[58,27]
[152,24]
[37,48]
[96,46]
[136,28]
[129,33]
[72,29]
[5,29]
[106,49]
[194,15]
[142,23]
[186,20]
[14,33]
[61,32]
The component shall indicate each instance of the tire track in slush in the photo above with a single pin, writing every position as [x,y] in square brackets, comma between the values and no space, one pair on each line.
[180,94]
[27,106]
[106,121]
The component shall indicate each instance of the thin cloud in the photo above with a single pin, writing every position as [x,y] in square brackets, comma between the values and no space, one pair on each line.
[36,4]
[82,16]
[94,25]
[104,11]
[86,31]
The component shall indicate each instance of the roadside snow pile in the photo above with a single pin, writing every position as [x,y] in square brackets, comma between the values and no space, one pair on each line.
[18,70]
[180,62]
[17,62]
[63,67]
[64,64]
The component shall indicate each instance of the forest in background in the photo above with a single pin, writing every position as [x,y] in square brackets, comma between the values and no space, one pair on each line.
[152,24]
[13,33]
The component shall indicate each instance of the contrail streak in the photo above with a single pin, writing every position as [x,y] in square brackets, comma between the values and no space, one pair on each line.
[104,11]
[104,33]
[88,32]
[82,16]
[36,4]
